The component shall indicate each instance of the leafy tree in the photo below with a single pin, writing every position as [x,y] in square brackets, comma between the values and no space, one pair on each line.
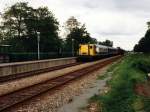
[48,26]
[144,44]
[93,41]
[77,35]
[14,18]
[1,36]
[14,26]
[21,24]
[107,43]
[72,23]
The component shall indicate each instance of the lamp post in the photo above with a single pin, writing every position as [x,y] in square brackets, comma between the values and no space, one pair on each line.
[72,47]
[38,44]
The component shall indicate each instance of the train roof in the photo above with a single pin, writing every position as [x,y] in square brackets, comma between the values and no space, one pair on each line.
[102,46]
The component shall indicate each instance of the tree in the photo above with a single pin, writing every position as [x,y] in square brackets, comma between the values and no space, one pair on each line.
[77,35]
[93,41]
[21,24]
[107,43]
[14,18]
[72,23]
[144,43]
[14,26]
[48,26]
[1,36]
[148,23]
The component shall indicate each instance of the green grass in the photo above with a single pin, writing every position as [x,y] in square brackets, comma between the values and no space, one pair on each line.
[131,70]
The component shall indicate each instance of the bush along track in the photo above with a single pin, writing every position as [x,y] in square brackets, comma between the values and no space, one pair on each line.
[129,86]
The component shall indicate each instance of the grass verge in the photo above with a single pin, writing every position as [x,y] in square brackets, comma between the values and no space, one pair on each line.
[132,70]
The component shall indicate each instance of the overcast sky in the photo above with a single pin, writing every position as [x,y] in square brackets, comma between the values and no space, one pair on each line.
[122,21]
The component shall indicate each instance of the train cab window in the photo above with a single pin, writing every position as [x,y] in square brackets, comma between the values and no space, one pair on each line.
[90,47]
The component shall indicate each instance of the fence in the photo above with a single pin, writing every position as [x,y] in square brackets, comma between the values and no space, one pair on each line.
[15,57]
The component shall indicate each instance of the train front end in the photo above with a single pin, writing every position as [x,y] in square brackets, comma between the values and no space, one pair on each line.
[86,52]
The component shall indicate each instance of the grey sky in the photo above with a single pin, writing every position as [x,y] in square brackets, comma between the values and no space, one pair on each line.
[122,21]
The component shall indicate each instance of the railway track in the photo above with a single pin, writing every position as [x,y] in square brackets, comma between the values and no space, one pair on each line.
[17,97]
[36,72]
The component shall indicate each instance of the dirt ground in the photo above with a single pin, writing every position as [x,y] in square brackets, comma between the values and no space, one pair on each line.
[143,89]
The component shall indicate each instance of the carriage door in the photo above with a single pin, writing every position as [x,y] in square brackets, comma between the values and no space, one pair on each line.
[91,50]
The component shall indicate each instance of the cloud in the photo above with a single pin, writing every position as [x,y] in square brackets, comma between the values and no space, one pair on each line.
[133,5]
[122,21]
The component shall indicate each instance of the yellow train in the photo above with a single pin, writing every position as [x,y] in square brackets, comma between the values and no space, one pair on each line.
[93,51]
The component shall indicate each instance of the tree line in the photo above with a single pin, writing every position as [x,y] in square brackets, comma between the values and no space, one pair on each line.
[21,23]
[144,43]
